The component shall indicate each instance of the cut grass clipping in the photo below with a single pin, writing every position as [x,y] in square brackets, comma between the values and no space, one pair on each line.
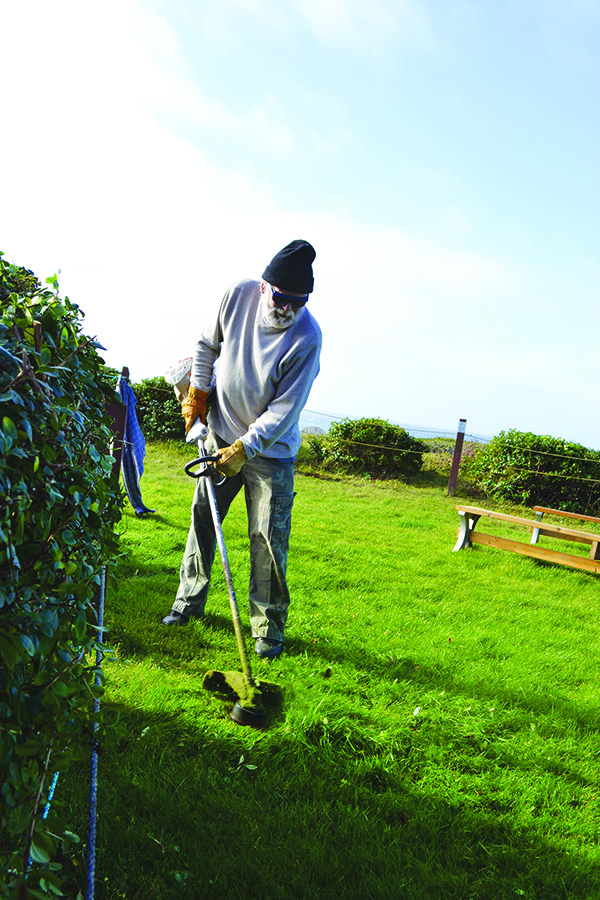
[439,731]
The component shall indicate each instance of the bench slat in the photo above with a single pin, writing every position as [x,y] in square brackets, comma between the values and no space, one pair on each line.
[562,512]
[578,537]
[554,556]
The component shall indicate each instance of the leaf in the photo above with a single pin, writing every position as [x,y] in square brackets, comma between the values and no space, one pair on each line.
[39,854]
[68,537]
[9,428]
[74,838]
[27,644]
[42,847]
[26,427]
[80,625]
[11,397]
[60,688]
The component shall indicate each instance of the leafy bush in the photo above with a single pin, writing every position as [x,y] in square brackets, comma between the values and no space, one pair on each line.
[59,507]
[305,457]
[530,469]
[440,454]
[158,410]
[372,447]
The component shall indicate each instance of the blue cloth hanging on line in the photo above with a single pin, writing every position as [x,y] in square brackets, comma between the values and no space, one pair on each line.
[134,450]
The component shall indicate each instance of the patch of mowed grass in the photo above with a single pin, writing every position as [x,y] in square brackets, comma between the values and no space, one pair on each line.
[439,736]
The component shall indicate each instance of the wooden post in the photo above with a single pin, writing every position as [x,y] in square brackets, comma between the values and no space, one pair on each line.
[460,437]
[118,412]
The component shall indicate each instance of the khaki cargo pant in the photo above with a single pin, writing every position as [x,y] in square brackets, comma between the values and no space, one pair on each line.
[269,492]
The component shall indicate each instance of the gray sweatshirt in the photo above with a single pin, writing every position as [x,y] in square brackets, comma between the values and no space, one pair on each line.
[264,374]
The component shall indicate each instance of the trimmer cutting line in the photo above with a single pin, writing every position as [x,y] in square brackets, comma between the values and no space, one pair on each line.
[249,698]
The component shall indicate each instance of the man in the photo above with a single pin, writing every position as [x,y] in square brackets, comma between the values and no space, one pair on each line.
[267,346]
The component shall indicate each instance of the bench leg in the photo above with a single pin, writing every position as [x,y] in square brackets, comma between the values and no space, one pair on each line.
[594,550]
[536,531]
[467,524]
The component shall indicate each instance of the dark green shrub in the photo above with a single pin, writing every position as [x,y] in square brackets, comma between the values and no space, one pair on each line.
[530,469]
[313,449]
[372,447]
[58,508]
[158,410]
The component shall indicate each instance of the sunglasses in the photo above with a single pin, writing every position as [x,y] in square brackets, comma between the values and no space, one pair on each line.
[281,300]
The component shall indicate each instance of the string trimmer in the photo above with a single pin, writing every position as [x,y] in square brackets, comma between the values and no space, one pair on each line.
[249,695]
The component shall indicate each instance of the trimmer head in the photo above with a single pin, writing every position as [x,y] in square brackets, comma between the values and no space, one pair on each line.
[242,715]
[252,700]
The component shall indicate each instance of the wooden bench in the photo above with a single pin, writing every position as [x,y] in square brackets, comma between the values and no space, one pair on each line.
[470,515]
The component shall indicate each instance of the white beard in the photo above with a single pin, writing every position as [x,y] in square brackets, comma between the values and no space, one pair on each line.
[275,317]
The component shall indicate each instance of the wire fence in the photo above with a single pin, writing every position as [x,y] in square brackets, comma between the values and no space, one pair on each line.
[310,416]
[499,472]
[513,469]
[473,438]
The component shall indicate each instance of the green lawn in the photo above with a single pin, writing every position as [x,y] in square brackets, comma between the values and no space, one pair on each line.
[439,735]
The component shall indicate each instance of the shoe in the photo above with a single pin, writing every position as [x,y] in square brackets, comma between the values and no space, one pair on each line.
[175,618]
[267,648]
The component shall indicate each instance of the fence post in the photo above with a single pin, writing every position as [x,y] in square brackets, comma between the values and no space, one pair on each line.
[460,437]
[118,413]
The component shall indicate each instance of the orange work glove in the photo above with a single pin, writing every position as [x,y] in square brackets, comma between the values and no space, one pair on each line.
[231,459]
[194,407]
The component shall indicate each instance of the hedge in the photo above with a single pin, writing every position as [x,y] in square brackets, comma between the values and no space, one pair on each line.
[529,469]
[57,517]
[158,410]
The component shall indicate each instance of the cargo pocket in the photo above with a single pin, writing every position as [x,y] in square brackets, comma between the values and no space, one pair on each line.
[281,519]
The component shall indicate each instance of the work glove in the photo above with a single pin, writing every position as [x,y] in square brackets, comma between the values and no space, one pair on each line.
[231,459]
[194,407]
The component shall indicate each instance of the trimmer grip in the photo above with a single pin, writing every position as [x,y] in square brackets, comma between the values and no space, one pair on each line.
[206,470]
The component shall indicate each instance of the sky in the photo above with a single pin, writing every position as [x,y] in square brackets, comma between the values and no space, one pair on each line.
[442,156]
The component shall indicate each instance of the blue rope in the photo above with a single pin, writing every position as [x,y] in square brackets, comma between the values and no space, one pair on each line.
[50,796]
[91,852]
[44,814]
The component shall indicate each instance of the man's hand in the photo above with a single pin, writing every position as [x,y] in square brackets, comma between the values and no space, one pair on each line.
[194,407]
[231,459]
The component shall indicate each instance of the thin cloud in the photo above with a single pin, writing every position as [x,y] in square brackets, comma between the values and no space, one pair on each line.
[360,25]
[368,24]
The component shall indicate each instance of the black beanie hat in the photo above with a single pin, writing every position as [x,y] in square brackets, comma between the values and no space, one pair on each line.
[291,268]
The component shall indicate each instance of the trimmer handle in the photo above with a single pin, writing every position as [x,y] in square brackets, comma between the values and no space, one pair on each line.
[199,432]
[202,460]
